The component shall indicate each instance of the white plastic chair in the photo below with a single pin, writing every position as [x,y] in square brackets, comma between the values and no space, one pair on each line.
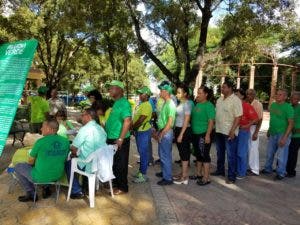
[91,178]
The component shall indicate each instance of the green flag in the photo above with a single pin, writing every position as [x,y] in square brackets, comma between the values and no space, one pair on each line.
[15,62]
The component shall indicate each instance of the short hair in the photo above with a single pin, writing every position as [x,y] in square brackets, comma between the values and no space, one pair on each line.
[283,90]
[297,93]
[251,90]
[96,94]
[62,113]
[229,84]
[242,92]
[91,112]
[52,123]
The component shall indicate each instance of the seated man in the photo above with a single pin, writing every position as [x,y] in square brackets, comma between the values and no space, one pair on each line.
[46,160]
[90,137]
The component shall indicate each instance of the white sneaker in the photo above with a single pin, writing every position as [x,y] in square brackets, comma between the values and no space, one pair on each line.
[181,181]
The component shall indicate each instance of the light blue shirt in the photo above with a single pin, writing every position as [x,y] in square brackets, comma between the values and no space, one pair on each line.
[90,137]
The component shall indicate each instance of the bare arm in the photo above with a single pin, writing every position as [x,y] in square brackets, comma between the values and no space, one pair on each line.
[139,122]
[125,129]
[257,128]
[186,122]
[166,128]
[209,130]
[287,132]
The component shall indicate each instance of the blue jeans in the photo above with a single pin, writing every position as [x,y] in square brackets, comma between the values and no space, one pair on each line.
[282,154]
[230,146]
[23,173]
[242,152]
[76,188]
[143,141]
[165,155]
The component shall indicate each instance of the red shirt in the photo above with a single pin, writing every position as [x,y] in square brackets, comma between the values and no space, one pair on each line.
[249,114]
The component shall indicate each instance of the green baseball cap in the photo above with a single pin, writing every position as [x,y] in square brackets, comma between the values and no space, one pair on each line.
[115,83]
[144,90]
[88,89]
[42,90]
[166,87]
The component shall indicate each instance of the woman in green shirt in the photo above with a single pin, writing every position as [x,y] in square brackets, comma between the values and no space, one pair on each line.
[65,126]
[203,116]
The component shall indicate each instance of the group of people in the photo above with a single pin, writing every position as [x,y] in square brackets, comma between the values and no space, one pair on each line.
[233,123]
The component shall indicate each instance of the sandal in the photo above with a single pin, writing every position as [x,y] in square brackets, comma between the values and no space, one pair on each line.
[195,177]
[177,177]
[202,182]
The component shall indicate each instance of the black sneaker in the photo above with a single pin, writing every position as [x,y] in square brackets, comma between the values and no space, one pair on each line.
[278,177]
[202,182]
[27,198]
[159,174]
[229,181]
[79,195]
[164,182]
[290,175]
[217,173]
[157,161]
[264,171]
[46,192]
[250,173]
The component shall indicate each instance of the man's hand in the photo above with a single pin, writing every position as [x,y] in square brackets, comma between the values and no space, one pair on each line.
[161,135]
[207,139]
[179,139]
[282,141]
[119,142]
[254,136]
[154,135]
[231,135]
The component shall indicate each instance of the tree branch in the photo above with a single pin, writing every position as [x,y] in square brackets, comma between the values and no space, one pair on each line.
[145,47]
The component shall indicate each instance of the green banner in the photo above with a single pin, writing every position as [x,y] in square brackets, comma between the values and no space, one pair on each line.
[15,62]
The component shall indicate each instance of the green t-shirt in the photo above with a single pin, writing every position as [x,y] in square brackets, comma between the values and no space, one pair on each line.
[144,109]
[39,106]
[296,130]
[50,153]
[168,110]
[120,110]
[279,116]
[201,114]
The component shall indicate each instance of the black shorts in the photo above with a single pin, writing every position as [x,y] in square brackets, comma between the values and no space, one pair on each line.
[184,147]
[201,150]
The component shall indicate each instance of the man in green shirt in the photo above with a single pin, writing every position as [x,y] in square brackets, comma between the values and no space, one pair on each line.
[295,141]
[142,127]
[46,160]
[39,107]
[281,124]
[117,128]
[165,123]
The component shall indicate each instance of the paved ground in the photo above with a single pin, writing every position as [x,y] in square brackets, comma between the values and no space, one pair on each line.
[254,200]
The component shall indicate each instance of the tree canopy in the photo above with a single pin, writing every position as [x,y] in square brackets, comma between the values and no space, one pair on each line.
[94,41]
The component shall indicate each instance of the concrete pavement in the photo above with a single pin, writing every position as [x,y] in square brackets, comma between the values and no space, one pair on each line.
[254,200]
